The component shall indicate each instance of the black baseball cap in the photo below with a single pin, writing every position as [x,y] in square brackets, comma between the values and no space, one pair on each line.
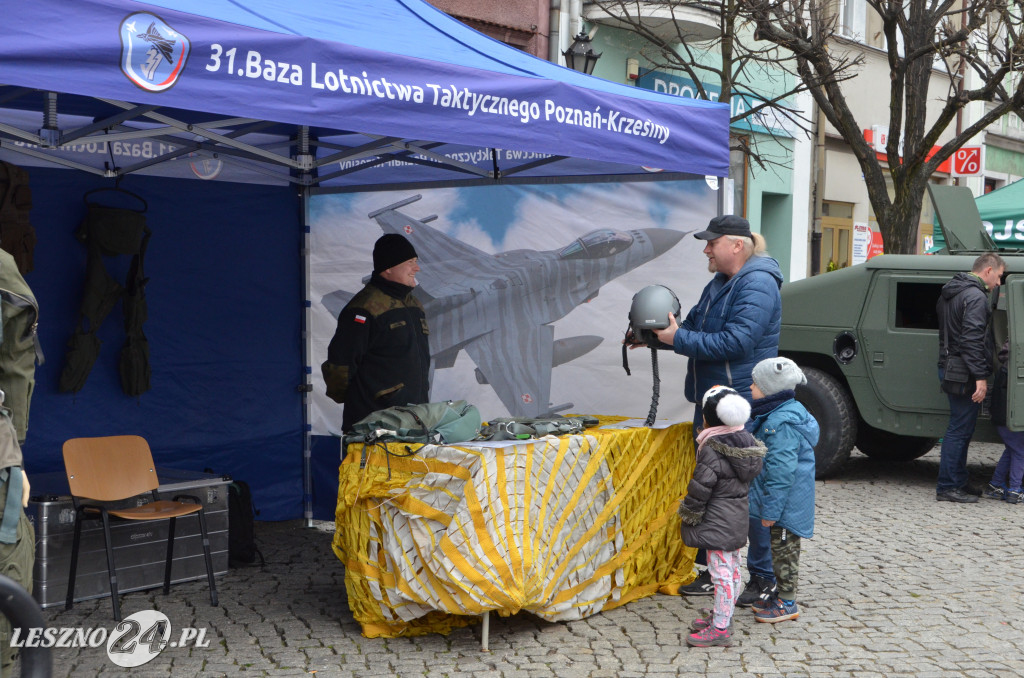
[726,224]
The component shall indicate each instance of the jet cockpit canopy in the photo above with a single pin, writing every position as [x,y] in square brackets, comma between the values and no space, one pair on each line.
[597,244]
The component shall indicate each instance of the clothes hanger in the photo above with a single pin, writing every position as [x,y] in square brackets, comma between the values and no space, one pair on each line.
[116,189]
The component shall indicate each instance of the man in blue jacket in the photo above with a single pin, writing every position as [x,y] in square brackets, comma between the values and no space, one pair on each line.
[734,325]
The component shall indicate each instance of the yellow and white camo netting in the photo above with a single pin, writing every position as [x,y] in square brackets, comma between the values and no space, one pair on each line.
[561,527]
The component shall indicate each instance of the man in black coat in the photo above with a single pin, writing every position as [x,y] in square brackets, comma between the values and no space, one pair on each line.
[965,332]
[380,354]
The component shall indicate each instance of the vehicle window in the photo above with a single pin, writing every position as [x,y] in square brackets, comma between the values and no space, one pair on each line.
[915,305]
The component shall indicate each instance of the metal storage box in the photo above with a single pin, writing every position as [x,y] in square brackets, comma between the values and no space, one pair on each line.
[139,547]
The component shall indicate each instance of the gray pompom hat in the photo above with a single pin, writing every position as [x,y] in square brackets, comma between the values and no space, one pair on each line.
[777,374]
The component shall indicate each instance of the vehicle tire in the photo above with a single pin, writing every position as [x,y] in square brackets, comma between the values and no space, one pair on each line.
[830,403]
[885,446]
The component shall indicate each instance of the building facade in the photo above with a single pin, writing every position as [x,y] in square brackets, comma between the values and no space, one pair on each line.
[775,197]
[523,24]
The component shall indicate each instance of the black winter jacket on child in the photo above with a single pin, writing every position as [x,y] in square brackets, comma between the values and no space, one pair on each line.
[715,511]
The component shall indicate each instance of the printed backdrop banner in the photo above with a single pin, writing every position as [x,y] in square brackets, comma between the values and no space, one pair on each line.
[526,288]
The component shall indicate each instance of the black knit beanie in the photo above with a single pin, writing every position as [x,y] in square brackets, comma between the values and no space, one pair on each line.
[390,250]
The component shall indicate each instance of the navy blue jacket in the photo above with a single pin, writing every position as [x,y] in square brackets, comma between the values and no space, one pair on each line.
[734,326]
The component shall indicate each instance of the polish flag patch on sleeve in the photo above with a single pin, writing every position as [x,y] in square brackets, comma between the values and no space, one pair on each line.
[361,319]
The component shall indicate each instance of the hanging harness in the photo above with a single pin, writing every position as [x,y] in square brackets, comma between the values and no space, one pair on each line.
[109,231]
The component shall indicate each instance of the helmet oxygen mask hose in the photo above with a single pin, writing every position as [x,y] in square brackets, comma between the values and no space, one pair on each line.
[648,312]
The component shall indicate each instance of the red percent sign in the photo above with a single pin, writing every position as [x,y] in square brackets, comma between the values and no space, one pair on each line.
[967,161]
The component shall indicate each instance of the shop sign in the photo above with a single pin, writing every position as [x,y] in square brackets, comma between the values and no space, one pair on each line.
[764,121]
[861,242]
[968,161]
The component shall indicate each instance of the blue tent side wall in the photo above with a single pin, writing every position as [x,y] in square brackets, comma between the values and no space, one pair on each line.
[225,322]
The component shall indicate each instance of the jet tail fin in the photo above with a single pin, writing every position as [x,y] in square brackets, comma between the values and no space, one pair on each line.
[394,206]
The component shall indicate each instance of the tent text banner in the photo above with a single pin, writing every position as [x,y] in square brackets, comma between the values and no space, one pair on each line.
[123,51]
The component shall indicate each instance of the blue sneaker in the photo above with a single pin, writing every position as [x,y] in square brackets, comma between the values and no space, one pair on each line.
[761,605]
[777,611]
[1014,497]
[994,492]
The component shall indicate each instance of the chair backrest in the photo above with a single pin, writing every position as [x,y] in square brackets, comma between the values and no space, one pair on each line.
[109,468]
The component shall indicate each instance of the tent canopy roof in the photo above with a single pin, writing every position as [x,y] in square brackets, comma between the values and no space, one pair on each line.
[363,81]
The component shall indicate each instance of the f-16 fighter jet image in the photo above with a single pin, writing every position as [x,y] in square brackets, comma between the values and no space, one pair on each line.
[499,307]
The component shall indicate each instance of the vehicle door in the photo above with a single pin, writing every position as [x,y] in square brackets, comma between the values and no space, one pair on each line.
[900,334]
[1014,291]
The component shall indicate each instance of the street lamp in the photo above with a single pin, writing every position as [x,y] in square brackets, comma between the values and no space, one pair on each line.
[581,55]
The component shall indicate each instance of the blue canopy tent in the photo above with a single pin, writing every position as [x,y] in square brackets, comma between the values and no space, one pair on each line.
[268,102]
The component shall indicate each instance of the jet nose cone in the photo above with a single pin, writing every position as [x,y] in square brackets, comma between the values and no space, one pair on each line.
[663,239]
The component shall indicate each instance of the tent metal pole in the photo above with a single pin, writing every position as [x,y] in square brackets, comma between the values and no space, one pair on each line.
[485,632]
[444,160]
[364,151]
[307,443]
[106,123]
[530,165]
[5,144]
[21,134]
[303,150]
[205,132]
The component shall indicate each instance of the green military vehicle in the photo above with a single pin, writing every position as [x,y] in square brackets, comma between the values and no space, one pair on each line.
[867,337]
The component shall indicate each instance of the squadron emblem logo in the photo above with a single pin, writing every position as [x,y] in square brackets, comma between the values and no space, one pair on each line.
[153,54]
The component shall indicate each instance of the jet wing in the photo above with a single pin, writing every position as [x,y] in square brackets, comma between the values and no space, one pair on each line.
[516,361]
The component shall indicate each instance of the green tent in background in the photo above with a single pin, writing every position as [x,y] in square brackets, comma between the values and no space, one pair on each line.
[1002,212]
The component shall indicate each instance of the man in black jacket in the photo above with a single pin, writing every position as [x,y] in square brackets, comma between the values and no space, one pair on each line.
[965,331]
[380,354]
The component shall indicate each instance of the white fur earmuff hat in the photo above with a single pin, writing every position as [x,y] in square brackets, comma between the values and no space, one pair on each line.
[723,406]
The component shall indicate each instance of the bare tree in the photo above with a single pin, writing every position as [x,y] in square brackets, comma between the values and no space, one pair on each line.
[925,41]
[762,74]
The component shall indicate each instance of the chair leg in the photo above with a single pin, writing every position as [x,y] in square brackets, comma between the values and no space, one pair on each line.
[170,555]
[209,559]
[111,570]
[70,602]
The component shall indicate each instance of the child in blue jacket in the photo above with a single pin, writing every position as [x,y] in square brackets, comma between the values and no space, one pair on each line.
[782,495]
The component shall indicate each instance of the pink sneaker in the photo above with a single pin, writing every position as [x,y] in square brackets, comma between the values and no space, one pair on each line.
[703,619]
[710,636]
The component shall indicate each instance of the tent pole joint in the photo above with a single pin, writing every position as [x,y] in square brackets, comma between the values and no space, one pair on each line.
[49,138]
[49,135]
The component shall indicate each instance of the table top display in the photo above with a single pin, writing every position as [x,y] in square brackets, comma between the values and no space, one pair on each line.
[432,536]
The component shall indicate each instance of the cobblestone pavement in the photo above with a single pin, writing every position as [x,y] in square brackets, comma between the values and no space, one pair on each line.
[894,584]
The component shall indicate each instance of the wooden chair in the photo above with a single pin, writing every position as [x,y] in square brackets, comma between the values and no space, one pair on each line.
[111,469]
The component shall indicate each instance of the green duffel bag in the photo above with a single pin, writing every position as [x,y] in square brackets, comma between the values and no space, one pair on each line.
[446,422]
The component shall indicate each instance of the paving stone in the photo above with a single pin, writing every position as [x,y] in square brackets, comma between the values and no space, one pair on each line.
[890,587]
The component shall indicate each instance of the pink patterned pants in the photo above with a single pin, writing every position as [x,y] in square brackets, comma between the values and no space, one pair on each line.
[724,568]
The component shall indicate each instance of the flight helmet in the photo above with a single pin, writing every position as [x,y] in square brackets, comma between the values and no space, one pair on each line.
[649,311]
